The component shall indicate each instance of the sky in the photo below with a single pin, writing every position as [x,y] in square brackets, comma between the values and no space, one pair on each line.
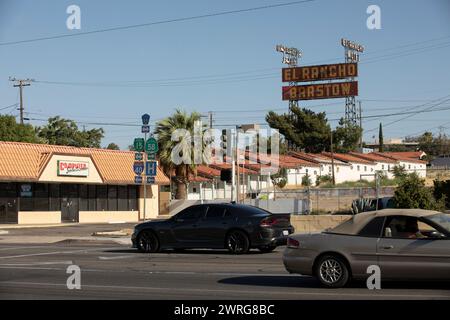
[225,64]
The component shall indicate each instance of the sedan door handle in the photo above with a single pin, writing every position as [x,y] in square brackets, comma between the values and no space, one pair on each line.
[388,247]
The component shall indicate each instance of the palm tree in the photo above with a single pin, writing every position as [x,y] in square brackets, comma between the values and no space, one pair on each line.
[164,130]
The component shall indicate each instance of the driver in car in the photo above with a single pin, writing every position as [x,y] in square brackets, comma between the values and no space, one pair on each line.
[411,230]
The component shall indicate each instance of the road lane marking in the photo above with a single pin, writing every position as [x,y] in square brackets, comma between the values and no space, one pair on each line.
[252,292]
[52,253]
[69,262]
[116,257]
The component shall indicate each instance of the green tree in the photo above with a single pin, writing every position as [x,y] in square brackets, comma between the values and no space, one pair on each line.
[399,172]
[113,146]
[380,139]
[306,181]
[10,130]
[304,128]
[164,130]
[65,132]
[279,179]
[346,136]
[412,193]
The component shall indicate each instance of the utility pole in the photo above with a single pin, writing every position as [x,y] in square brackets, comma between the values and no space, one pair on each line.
[332,158]
[360,126]
[21,83]
[210,119]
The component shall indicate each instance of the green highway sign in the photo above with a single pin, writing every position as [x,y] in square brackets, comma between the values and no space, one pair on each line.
[151,146]
[151,156]
[139,144]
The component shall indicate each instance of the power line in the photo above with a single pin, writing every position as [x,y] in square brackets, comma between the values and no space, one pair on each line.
[417,112]
[153,23]
[8,107]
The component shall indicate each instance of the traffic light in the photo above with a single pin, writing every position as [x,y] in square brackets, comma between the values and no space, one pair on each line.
[226,175]
[224,144]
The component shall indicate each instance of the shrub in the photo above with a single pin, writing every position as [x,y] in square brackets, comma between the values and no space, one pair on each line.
[306,181]
[412,193]
[324,179]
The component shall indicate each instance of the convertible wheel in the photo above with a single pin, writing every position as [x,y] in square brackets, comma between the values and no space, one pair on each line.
[267,249]
[237,242]
[147,242]
[332,271]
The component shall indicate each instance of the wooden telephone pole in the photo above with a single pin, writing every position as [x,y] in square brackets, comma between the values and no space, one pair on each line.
[21,83]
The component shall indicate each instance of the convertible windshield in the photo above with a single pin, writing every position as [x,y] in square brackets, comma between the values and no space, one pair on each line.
[441,219]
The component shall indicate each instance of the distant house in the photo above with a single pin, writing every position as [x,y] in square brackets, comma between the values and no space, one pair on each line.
[410,164]
[382,164]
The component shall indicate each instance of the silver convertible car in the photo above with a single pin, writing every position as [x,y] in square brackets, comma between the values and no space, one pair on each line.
[407,244]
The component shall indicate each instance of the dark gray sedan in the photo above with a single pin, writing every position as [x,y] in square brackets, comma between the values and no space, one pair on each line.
[407,244]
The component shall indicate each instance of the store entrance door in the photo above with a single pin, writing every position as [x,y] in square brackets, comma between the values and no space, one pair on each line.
[8,210]
[8,203]
[69,203]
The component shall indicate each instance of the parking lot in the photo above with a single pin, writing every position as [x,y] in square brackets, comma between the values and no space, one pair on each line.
[111,270]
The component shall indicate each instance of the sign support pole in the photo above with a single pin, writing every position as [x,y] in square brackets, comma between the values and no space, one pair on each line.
[145,181]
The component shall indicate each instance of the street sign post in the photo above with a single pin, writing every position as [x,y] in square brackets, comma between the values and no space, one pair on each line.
[139,144]
[150,168]
[151,180]
[145,129]
[151,146]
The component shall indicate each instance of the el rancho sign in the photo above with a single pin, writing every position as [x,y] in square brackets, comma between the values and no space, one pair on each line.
[73,168]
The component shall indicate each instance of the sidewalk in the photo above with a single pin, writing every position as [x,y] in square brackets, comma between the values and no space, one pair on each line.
[66,233]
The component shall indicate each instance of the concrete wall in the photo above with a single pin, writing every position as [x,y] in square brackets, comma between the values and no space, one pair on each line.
[316,223]
[152,203]
[297,206]
[39,217]
[108,216]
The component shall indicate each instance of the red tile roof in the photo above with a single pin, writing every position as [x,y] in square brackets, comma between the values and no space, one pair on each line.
[407,154]
[348,158]
[399,157]
[25,162]
[373,157]
[208,172]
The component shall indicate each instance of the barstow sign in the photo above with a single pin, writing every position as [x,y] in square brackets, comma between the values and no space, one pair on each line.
[73,168]
[320,72]
[321,91]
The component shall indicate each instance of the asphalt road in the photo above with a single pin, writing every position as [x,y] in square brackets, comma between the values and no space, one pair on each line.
[113,271]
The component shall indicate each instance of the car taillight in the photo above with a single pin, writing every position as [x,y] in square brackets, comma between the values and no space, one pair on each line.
[292,243]
[267,222]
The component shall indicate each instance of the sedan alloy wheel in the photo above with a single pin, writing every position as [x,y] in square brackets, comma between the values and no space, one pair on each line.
[237,242]
[147,242]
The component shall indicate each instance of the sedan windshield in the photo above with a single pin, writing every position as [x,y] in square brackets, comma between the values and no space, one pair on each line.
[442,220]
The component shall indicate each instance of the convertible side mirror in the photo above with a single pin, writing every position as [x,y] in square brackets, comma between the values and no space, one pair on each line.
[436,235]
